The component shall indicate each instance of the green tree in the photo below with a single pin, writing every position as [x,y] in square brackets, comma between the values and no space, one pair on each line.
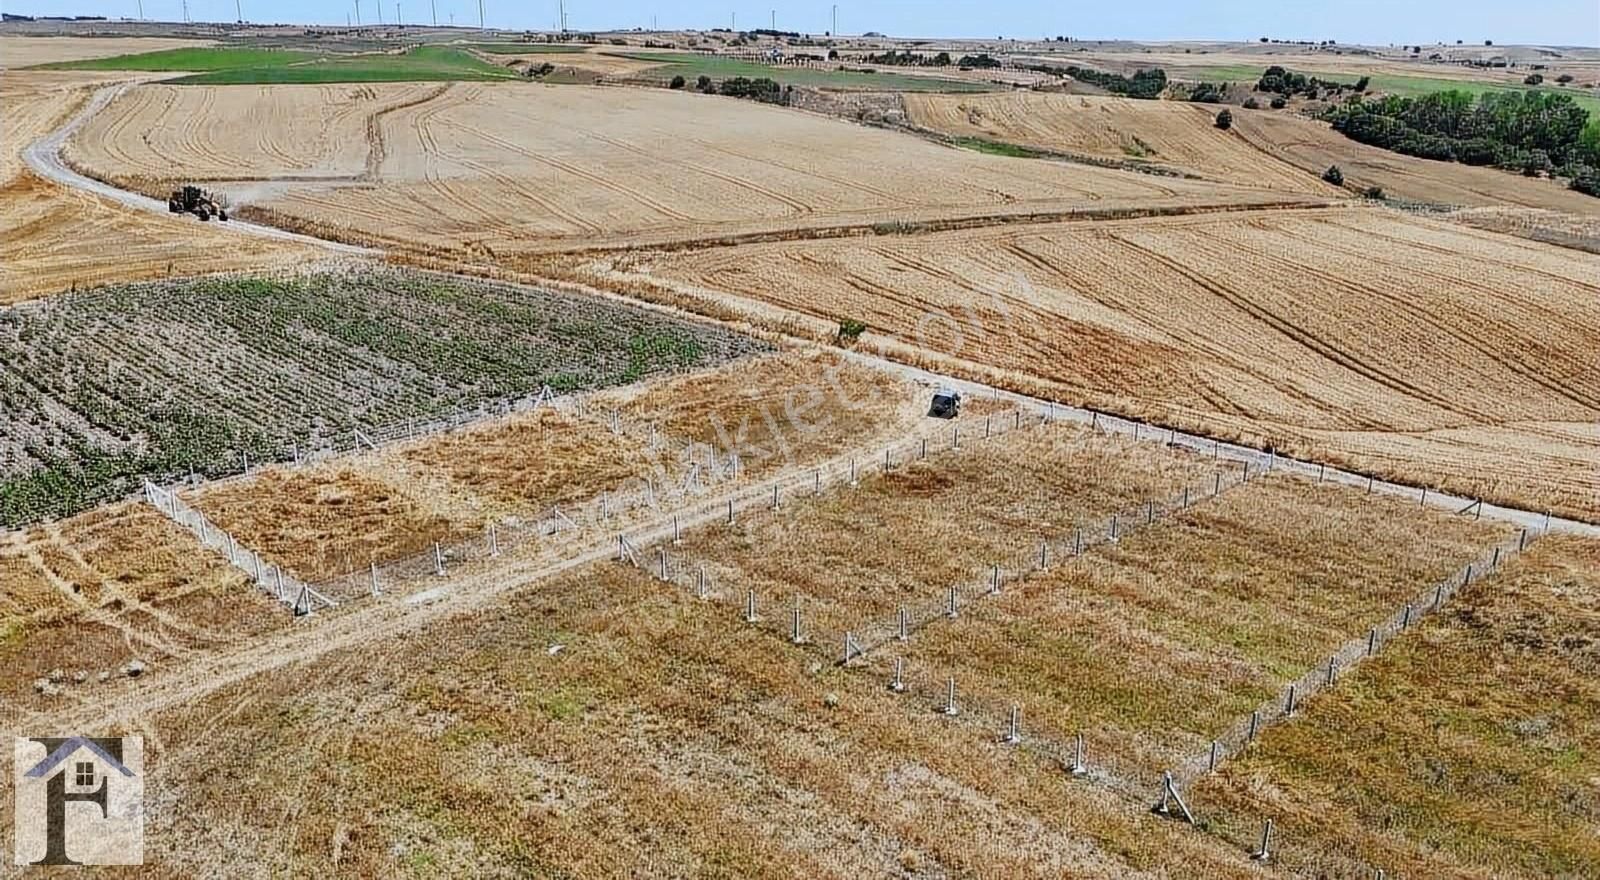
[1225,120]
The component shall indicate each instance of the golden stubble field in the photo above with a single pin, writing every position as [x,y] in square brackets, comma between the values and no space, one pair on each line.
[500,170]
[1417,349]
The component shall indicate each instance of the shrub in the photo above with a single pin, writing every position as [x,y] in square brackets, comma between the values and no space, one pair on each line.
[677,82]
[1533,79]
[1587,182]
[704,84]
[1564,78]
[1333,175]
[849,331]
[1252,104]
[1225,120]
[1372,192]
[1280,102]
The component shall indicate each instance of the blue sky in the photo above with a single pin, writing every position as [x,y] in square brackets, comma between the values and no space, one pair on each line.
[1564,22]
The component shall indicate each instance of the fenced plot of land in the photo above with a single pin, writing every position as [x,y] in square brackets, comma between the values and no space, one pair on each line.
[87,595]
[851,558]
[336,518]
[1420,350]
[601,724]
[1467,748]
[1158,643]
[154,380]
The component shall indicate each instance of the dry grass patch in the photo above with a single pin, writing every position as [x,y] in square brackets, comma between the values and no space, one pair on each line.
[90,593]
[325,521]
[663,739]
[854,556]
[1156,644]
[1469,747]
[1166,133]
[782,410]
[526,464]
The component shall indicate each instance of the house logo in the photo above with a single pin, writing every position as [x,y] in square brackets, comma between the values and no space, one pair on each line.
[79,800]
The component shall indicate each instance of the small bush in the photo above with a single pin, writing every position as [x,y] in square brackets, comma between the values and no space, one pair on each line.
[850,330]
[1587,182]
[1373,192]
[1333,175]
[1225,120]
[1564,78]
[704,83]
[1279,102]
[1533,79]
[677,82]
[1252,104]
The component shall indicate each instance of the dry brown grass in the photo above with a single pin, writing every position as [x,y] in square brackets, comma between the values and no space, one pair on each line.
[853,556]
[1163,133]
[662,740]
[1470,747]
[1410,347]
[92,592]
[782,410]
[21,51]
[1157,644]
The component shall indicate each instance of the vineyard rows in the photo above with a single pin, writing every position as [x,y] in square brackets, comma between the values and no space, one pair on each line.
[158,380]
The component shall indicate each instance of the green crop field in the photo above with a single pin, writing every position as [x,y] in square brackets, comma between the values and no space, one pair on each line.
[691,67]
[233,66]
[106,387]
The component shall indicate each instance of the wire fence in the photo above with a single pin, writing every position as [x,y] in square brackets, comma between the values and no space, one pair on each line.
[1290,698]
[270,578]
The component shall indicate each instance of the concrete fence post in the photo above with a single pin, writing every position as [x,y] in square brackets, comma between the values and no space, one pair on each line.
[1264,853]
[951,610]
[898,683]
[905,625]
[750,607]
[1077,768]
[1014,728]
[950,708]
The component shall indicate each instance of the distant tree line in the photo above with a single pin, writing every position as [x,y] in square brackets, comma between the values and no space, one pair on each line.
[1276,80]
[1143,84]
[1533,132]
[907,58]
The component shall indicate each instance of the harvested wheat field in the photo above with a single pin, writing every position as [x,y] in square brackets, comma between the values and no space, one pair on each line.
[53,238]
[1157,644]
[662,738]
[499,170]
[1313,146]
[1165,133]
[1469,748]
[87,595]
[304,133]
[1422,350]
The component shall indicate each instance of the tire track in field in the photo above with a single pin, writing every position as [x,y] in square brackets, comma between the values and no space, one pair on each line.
[711,147]
[1440,249]
[1467,338]
[798,206]
[582,173]
[1203,344]
[1298,335]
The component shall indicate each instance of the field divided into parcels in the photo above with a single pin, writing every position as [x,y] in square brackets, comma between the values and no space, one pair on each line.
[156,380]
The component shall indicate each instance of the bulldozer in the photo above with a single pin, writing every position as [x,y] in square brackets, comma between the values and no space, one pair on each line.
[194,200]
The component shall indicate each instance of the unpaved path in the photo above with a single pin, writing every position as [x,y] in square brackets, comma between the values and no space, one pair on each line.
[44,157]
